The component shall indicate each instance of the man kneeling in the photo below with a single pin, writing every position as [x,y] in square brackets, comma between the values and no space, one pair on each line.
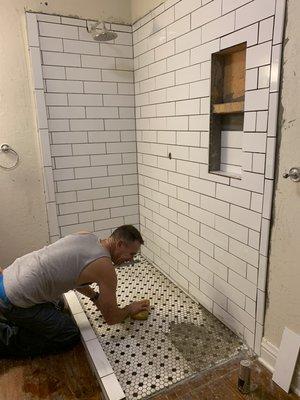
[30,287]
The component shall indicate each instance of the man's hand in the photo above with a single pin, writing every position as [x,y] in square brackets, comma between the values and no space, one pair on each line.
[137,306]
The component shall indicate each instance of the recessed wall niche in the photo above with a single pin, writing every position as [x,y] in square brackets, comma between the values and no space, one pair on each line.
[227,110]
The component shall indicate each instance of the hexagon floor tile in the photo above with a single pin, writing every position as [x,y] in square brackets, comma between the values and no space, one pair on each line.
[179,339]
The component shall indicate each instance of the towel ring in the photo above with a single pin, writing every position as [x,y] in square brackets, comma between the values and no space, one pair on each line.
[6,149]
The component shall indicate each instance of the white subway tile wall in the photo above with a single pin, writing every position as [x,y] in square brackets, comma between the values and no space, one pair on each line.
[91,144]
[128,129]
[209,223]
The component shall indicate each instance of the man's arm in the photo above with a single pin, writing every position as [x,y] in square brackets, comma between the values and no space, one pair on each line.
[107,301]
[86,291]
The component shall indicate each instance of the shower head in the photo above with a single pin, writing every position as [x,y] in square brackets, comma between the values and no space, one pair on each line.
[100,33]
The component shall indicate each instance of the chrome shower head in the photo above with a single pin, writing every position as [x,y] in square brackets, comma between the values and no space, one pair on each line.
[100,33]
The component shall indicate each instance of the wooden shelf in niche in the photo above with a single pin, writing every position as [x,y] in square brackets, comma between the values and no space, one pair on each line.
[227,102]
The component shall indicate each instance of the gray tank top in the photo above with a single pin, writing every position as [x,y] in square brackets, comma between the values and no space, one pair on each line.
[44,275]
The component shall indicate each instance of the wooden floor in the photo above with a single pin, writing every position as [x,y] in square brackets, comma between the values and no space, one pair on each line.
[68,377]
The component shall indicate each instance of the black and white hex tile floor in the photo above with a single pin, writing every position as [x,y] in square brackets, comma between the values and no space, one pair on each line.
[179,339]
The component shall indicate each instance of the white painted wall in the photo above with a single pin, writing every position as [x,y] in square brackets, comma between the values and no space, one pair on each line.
[139,8]
[23,224]
[284,272]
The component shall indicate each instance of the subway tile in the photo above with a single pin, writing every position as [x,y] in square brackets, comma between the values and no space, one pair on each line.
[243,251]
[158,68]
[66,112]
[41,109]
[122,169]
[86,124]
[264,77]
[58,125]
[189,196]
[242,316]
[256,100]
[266,30]
[201,243]
[80,47]
[199,155]
[177,61]
[178,179]
[232,229]
[258,164]
[251,79]
[199,122]
[264,237]
[51,44]
[215,206]
[245,217]
[229,291]
[202,216]
[275,68]
[180,92]
[254,142]
[188,74]
[52,219]
[250,307]
[164,109]
[229,5]
[259,55]
[188,40]
[191,251]
[188,138]
[188,168]
[165,50]
[117,76]
[71,208]
[188,223]
[200,89]
[256,202]
[48,18]
[107,203]
[252,274]
[61,150]
[213,294]
[95,61]
[32,29]
[262,121]
[206,13]
[218,27]
[254,11]
[232,262]
[250,181]
[66,137]
[248,34]
[76,184]
[56,99]
[233,195]
[36,66]
[253,239]
[250,121]
[63,59]
[178,230]
[64,86]
[228,320]
[203,52]
[214,236]
[242,284]
[202,272]
[270,158]
[115,50]
[273,115]
[202,186]
[83,74]
[165,80]
[51,72]
[185,7]
[58,30]
[112,125]
[178,28]
[73,21]
[279,21]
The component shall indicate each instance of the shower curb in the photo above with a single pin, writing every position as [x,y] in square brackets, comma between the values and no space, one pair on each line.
[102,369]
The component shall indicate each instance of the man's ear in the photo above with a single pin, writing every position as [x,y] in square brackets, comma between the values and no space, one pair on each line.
[120,243]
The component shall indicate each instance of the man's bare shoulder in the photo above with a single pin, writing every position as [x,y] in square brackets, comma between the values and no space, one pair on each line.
[99,270]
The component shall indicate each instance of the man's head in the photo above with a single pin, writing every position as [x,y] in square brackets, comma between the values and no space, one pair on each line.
[125,243]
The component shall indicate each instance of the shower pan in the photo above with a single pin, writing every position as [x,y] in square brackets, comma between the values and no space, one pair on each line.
[179,339]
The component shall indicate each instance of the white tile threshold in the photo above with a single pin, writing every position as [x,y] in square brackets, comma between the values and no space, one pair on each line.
[106,377]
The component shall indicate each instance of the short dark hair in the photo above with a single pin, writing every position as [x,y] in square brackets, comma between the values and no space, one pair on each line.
[128,233]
